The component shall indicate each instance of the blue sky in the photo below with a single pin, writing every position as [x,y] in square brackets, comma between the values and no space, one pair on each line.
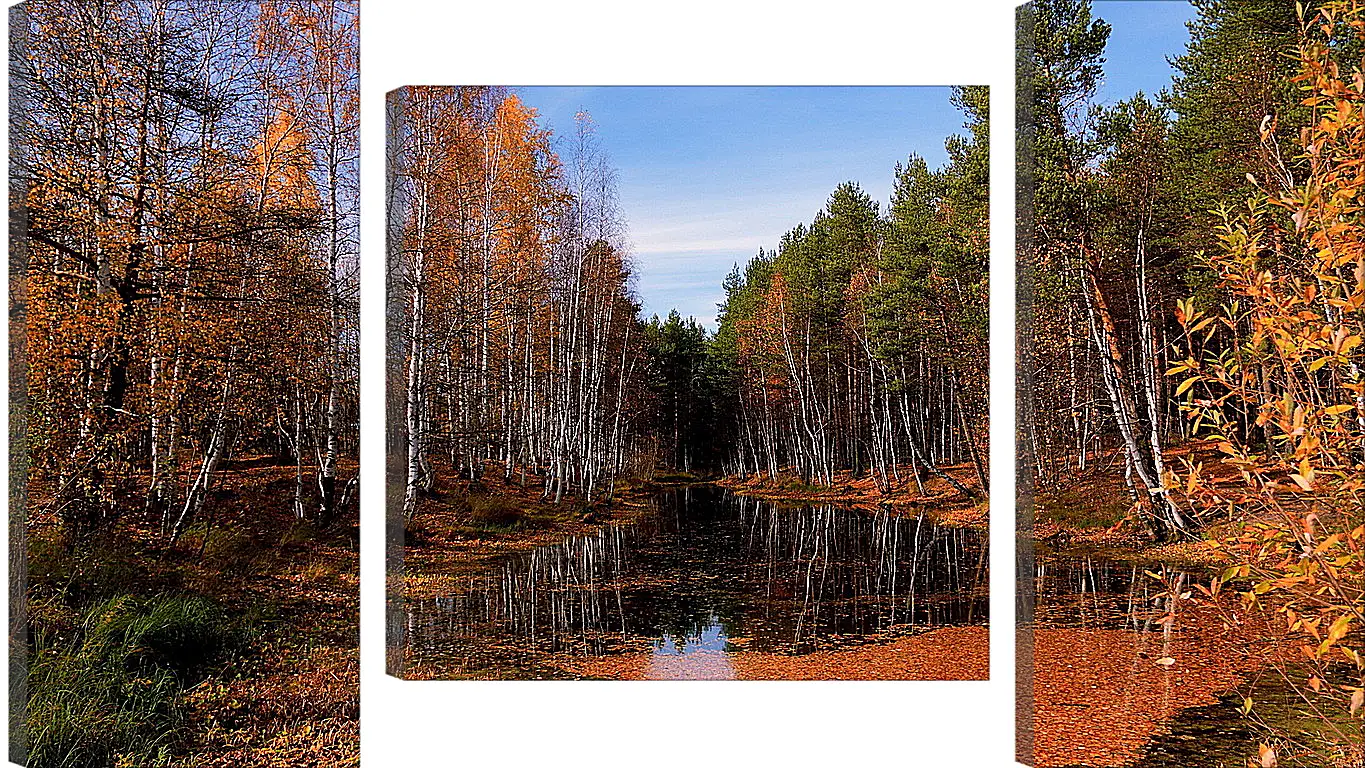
[708,175]
[1146,33]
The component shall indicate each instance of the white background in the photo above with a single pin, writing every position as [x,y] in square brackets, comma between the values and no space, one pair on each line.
[452,42]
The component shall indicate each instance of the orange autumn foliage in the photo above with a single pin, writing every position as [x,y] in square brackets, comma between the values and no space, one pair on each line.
[1290,359]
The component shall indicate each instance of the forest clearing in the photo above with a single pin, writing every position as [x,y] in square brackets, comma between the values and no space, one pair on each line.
[1190,443]
[578,491]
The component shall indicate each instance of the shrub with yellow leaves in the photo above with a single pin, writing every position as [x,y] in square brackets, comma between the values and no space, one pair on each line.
[1273,375]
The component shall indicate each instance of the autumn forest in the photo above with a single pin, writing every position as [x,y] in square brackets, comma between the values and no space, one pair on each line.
[686,383]
[184,254]
[532,401]
[1189,392]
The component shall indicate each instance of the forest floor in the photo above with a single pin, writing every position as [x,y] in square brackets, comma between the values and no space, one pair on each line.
[1091,513]
[948,505]
[460,528]
[290,697]
[947,653]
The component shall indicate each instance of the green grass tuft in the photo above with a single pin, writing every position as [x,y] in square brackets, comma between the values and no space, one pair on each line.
[674,477]
[797,485]
[108,693]
[1081,509]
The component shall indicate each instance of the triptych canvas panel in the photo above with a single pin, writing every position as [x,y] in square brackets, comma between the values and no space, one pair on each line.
[787,483]
[687,383]
[184,253]
[1189,404]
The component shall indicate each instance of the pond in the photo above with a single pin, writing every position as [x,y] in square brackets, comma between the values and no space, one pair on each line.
[709,575]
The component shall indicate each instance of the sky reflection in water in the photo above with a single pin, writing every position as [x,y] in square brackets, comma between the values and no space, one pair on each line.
[708,575]
[702,656]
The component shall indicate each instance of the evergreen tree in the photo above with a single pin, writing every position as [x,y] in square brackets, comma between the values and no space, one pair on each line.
[1236,110]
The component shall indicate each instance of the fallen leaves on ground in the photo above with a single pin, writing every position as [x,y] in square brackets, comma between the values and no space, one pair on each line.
[293,701]
[1100,695]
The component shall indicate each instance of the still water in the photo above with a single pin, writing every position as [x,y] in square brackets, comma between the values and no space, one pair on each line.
[1087,592]
[1097,593]
[709,575]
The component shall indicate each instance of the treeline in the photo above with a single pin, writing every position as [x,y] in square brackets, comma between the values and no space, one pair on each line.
[860,343]
[509,301]
[690,403]
[184,237]
[517,346]
[1121,206]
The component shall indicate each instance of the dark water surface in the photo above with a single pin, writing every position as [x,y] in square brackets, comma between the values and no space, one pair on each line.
[1096,593]
[711,573]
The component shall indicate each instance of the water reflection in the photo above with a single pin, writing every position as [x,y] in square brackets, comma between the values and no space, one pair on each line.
[1096,593]
[710,573]
[702,656]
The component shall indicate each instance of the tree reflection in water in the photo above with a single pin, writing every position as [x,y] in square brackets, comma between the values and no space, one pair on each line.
[1097,593]
[711,572]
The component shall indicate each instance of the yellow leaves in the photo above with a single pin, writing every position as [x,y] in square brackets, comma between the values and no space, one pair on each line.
[1353,656]
[1342,342]
[1357,700]
[1193,480]
[1338,630]
[1185,312]
[1216,583]
[1185,385]
[1188,364]
[1344,110]
[1305,476]
[281,163]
